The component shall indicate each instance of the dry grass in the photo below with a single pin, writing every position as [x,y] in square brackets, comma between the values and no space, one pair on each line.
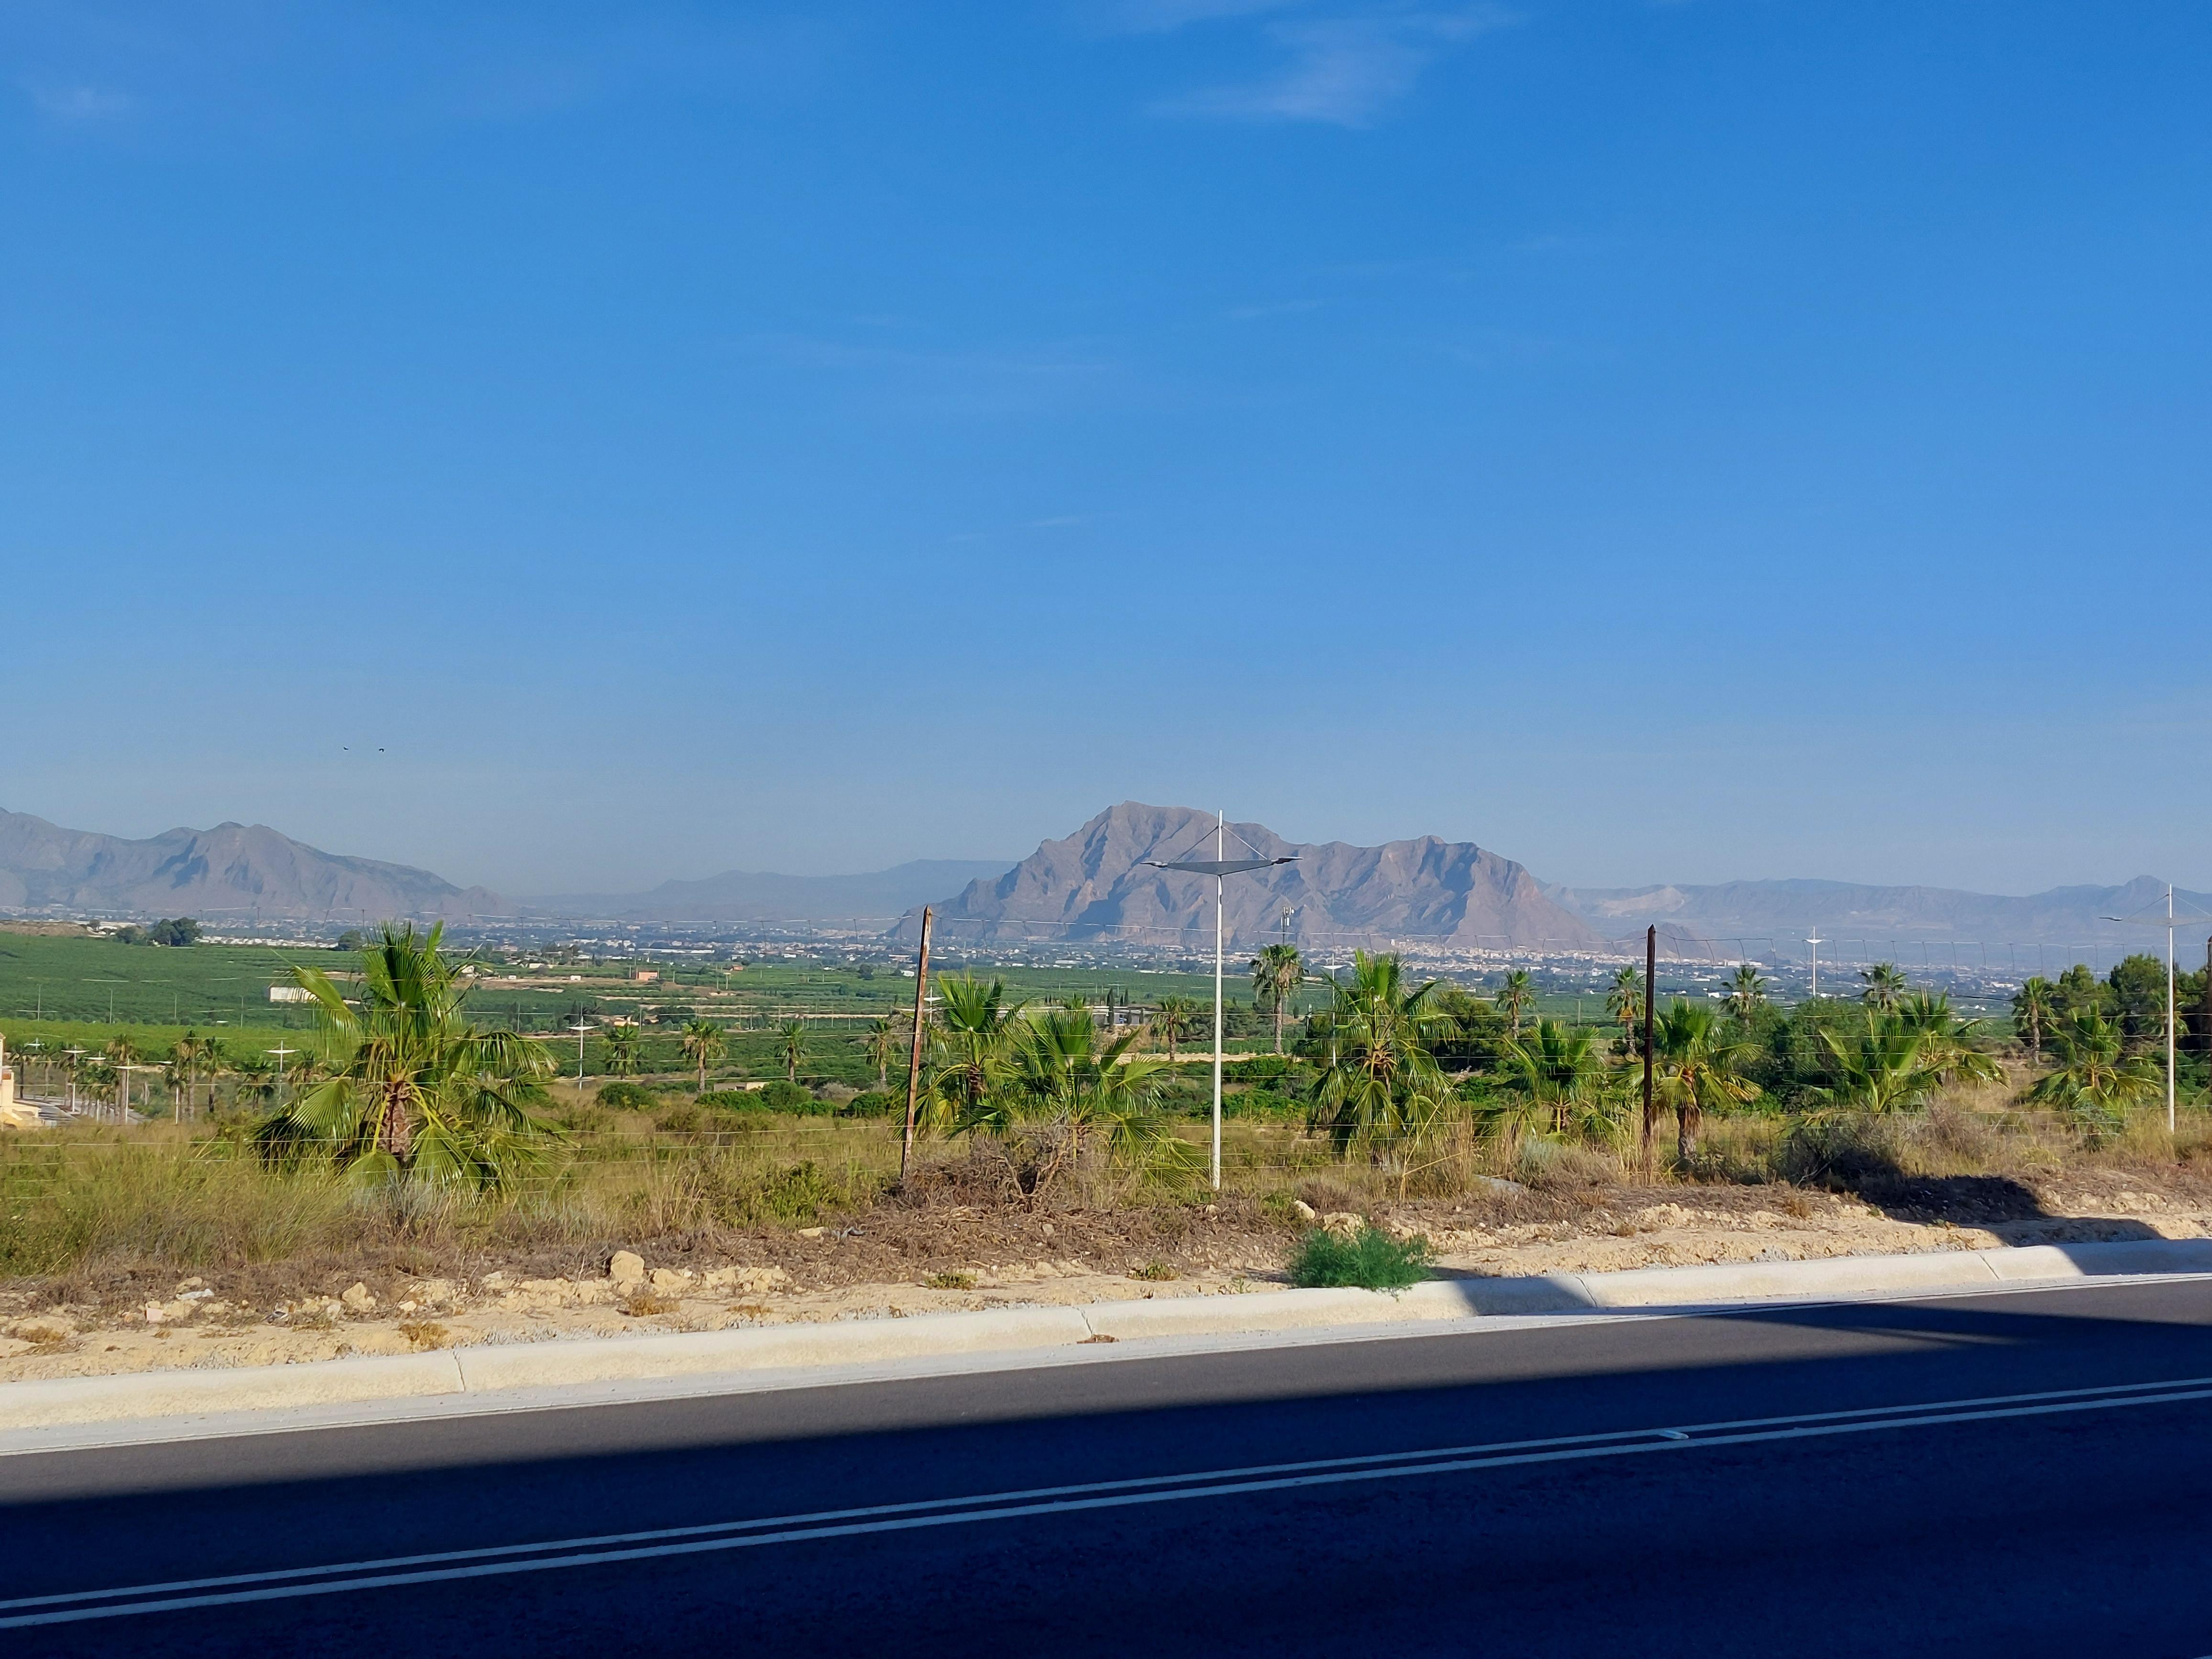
[110,1216]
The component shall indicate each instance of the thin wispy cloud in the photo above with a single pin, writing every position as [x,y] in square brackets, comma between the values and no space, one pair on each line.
[1344,69]
[76,103]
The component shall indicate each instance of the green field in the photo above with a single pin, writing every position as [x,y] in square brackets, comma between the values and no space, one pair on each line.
[62,990]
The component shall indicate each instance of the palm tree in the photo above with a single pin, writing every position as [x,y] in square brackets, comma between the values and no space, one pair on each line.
[1881,1068]
[2034,1010]
[975,1027]
[1059,1088]
[1697,1058]
[121,1054]
[704,1044]
[882,1046]
[622,1042]
[1175,1019]
[1277,973]
[192,1053]
[415,1091]
[1884,987]
[1551,1077]
[791,1037]
[1513,995]
[1747,992]
[1380,1085]
[1624,1000]
[257,1079]
[2096,1078]
[1947,1042]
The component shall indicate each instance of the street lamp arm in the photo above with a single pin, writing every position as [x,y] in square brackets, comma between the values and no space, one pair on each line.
[1220,866]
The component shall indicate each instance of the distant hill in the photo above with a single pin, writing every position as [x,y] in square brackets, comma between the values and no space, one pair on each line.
[226,875]
[1774,917]
[1095,885]
[880,895]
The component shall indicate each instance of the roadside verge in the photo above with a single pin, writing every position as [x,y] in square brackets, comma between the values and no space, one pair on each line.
[830,1348]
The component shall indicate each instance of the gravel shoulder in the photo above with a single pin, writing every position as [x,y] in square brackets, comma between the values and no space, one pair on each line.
[894,1262]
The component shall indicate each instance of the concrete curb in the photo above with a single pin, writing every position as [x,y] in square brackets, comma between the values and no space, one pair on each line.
[493,1370]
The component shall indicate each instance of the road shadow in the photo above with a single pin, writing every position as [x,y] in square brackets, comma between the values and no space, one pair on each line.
[1981,1201]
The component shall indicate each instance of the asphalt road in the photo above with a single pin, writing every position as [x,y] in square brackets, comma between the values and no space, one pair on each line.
[2019,1475]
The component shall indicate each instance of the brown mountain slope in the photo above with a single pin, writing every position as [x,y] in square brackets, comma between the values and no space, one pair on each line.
[1095,885]
[229,874]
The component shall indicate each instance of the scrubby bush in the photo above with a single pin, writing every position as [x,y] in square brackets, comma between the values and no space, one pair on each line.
[733,1100]
[875,1103]
[1260,1103]
[784,1096]
[1368,1259]
[628,1097]
[1840,1152]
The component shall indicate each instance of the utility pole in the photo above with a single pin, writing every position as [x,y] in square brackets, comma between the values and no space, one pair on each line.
[2167,921]
[913,1059]
[280,1051]
[1220,868]
[1220,832]
[1650,1099]
[580,1028]
[1814,942]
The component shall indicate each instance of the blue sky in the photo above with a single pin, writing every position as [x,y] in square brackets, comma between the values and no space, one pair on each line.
[569,445]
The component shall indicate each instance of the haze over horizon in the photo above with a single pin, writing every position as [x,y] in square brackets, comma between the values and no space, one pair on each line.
[569,450]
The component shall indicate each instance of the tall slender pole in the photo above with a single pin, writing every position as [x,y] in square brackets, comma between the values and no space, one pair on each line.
[913,1059]
[1650,1100]
[1220,833]
[1814,942]
[2169,1007]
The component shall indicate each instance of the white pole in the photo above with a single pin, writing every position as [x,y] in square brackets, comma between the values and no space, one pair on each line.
[1220,833]
[1815,942]
[2169,1007]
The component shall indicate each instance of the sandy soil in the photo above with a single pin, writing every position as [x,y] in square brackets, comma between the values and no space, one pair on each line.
[894,1263]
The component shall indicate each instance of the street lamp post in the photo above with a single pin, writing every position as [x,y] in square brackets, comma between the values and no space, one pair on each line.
[2169,921]
[281,1052]
[580,1029]
[1220,867]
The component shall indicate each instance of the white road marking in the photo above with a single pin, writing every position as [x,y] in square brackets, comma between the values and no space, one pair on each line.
[128,1600]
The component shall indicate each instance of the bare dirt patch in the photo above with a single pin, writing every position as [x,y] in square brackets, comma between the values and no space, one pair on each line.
[946,1250]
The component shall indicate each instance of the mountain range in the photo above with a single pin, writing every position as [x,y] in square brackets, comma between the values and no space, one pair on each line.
[1099,885]
[232,873]
[1102,884]
[1775,918]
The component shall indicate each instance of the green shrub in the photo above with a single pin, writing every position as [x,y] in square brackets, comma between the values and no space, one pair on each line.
[628,1097]
[1260,1103]
[875,1102]
[784,1096]
[1370,1259]
[799,1194]
[733,1100]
